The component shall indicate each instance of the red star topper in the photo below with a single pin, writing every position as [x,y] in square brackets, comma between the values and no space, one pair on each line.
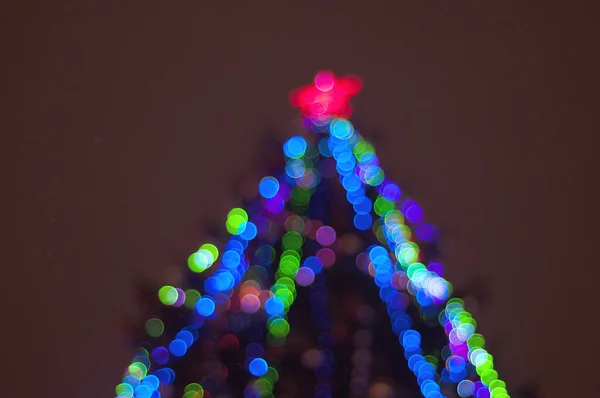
[328,96]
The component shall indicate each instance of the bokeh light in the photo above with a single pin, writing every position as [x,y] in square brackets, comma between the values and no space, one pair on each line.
[258,367]
[326,235]
[295,147]
[205,306]
[168,295]
[268,187]
[178,347]
[249,287]
[305,276]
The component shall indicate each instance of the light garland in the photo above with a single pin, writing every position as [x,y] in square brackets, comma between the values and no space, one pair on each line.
[281,212]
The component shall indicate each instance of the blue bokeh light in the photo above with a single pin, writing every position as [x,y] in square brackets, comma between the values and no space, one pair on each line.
[143,391]
[178,347]
[160,355]
[258,367]
[268,187]
[314,263]
[186,336]
[151,381]
[363,221]
[250,231]
[465,388]
[341,129]
[164,376]
[412,211]
[295,147]
[205,306]
[274,306]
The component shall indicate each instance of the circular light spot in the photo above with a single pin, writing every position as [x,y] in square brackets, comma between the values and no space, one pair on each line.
[250,231]
[186,336]
[488,375]
[294,223]
[205,306]
[200,261]
[436,267]
[363,221]
[465,388]
[155,327]
[265,254]
[143,391]
[279,327]
[274,306]
[427,232]
[235,225]
[238,212]
[295,147]
[151,381]
[250,303]
[292,240]
[390,191]
[305,276]
[180,298]
[191,297]
[382,390]
[178,347]
[124,390]
[455,364]
[483,393]
[295,168]
[324,81]
[164,375]
[229,342]
[160,355]
[254,350]
[314,264]
[268,187]
[326,235]
[168,295]
[275,204]
[412,211]
[327,256]
[497,384]
[192,387]
[231,259]
[212,249]
[193,390]
[258,367]
[341,129]
[272,374]
[324,147]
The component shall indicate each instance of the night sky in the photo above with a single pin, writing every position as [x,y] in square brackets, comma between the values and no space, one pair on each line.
[133,121]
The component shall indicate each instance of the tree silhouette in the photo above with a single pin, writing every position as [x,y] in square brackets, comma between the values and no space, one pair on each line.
[287,306]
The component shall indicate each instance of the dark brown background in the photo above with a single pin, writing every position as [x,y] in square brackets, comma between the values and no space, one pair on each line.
[133,119]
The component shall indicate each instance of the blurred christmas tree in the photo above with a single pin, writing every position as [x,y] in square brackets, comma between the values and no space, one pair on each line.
[329,283]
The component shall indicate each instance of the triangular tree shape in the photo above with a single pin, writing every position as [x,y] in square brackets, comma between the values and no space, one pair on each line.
[325,213]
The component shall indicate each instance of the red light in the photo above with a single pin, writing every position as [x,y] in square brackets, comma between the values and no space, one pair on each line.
[328,96]
[324,81]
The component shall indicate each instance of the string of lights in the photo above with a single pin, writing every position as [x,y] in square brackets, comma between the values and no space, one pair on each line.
[249,296]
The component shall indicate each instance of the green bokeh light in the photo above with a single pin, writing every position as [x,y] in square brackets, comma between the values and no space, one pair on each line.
[236,211]
[235,224]
[191,298]
[278,326]
[168,295]
[124,390]
[154,327]
[292,240]
[212,249]
[382,206]
[138,370]
[272,374]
